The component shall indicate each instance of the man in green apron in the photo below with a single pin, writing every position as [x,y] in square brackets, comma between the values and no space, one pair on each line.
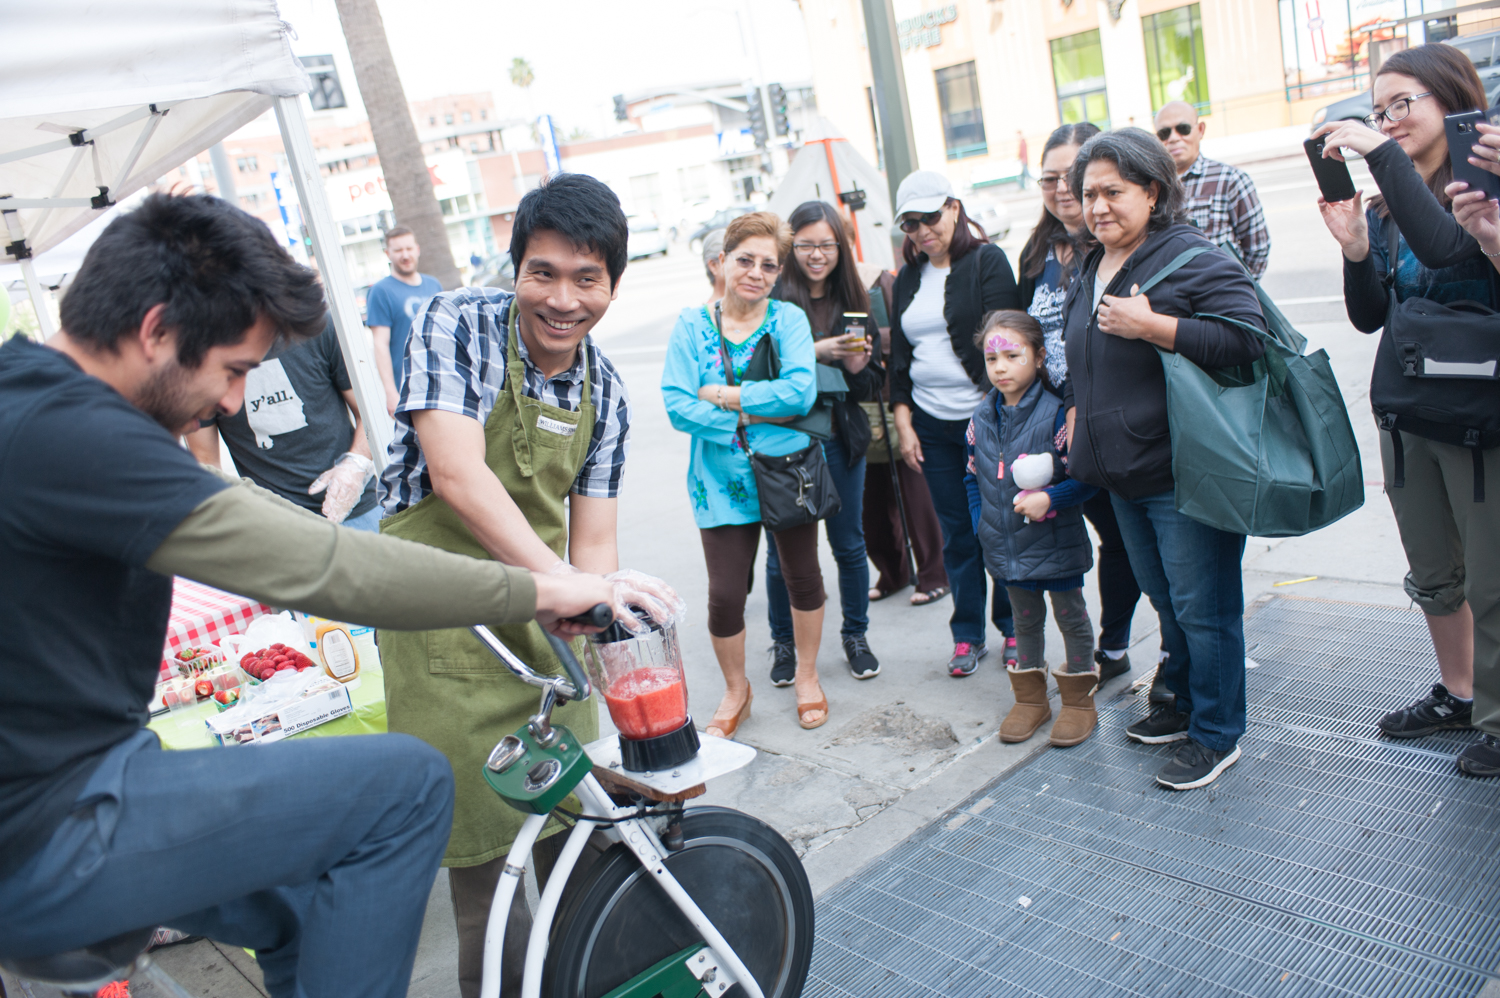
[510,443]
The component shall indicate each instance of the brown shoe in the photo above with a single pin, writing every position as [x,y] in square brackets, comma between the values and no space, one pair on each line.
[1077,717]
[1031,710]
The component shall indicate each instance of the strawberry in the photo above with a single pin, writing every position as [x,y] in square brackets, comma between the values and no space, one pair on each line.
[203,688]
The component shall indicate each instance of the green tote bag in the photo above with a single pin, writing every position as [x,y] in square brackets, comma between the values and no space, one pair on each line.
[1266,448]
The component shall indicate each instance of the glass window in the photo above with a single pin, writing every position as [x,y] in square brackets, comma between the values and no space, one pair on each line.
[1174,57]
[447,119]
[247,164]
[1078,74]
[963,120]
[467,117]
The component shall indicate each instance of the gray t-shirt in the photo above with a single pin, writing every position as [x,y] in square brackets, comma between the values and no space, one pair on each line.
[294,423]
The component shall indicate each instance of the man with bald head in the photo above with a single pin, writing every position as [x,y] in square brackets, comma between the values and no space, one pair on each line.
[1221,200]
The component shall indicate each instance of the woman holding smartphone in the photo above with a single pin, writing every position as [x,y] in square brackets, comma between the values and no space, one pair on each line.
[823,282]
[1450,539]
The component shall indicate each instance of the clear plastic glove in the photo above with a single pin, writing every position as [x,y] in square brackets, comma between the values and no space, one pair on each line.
[345,483]
[659,600]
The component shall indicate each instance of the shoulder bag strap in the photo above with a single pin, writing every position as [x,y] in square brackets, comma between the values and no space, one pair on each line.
[728,368]
[1392,251]
[1178,262]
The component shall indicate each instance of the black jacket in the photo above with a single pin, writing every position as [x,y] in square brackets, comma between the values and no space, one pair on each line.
[980,281]
[1121,440]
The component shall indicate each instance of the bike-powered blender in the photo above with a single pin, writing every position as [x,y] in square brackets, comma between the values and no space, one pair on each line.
[641,677]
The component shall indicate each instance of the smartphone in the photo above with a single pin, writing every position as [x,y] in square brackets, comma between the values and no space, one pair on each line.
[1333,177]
[854,322]
[1461,138]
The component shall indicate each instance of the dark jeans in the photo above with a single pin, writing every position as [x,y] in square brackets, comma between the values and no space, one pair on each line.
[317,853]
[1191,573]
[846,535]
[1118,591]
[944,461]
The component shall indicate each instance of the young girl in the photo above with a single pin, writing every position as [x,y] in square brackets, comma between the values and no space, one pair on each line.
[1034,540]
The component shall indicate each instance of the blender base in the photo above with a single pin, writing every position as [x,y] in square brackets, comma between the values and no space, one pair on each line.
[645,755]
[716,756]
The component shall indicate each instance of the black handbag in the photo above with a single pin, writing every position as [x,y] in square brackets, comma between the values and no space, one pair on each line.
[1437,373]
[793,489]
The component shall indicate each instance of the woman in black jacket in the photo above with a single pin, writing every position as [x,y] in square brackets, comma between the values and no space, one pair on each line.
[1449,537]
[1120,439]
[952,277]
[823,282]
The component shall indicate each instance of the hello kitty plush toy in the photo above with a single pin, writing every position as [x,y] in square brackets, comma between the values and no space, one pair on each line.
[1033,472]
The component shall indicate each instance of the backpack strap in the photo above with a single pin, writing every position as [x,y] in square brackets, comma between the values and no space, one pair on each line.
[1178,262]
[1392,252]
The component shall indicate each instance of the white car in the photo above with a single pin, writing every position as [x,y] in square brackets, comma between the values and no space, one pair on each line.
[992,214]
[647,237]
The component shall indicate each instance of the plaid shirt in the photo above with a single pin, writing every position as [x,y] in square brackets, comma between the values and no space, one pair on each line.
[1221,201]
[455,361]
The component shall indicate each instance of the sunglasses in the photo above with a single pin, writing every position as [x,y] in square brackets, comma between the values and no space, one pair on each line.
[1181,128]
[910,223]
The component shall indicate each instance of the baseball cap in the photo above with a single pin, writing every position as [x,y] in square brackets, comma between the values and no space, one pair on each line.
[713,245]
[923,191]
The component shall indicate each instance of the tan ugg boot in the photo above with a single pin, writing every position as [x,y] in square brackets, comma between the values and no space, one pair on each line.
[1076,718]
[1031,710]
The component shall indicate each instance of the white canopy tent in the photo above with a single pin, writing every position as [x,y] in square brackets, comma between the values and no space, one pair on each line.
[99,100]
[827,168]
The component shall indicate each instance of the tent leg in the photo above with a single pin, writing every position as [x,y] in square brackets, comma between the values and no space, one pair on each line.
[357,345]
[38,299]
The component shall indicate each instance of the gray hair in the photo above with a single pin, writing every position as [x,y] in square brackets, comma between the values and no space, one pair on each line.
[713,245]
[1142,161]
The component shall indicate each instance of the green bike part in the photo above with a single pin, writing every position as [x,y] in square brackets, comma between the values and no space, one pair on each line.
[532,784]
[668,979]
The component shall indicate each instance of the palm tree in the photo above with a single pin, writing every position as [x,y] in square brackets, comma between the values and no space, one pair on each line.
[521,74]
[401,160]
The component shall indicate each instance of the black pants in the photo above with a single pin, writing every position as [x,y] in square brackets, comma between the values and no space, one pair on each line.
[1118,591]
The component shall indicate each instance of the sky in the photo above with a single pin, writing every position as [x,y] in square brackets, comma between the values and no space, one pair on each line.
[582,51]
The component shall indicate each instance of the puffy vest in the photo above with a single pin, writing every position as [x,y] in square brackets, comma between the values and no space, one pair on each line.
[1014,550]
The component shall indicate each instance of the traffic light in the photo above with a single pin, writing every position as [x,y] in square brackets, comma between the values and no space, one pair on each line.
[779,106]
[621,112]
[757,114]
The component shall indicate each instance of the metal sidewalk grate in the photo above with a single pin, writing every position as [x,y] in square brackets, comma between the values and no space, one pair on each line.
[1327,862]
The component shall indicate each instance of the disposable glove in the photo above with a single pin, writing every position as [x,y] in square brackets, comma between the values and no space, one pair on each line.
[345,483]
[631,588]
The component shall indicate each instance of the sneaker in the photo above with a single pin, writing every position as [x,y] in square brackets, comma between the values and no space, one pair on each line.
[1012,656]
[1159,692]
[1482,758]
[1434,712]
[1109,668]
[965,659]
[862,661]
[783,663]
[1195,766]
[1163,724]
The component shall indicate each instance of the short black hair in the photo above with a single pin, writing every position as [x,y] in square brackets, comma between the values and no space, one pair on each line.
[1142,160]
[580,209]
[217,269]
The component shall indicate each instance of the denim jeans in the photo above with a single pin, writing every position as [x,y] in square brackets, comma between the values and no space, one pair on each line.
[846,535]
[1191,573]
[317,853]
[369,521]
[944,461]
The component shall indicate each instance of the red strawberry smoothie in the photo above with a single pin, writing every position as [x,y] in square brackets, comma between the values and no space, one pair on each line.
[646,703]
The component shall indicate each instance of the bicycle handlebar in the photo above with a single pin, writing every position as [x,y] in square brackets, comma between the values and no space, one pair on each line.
[576,687]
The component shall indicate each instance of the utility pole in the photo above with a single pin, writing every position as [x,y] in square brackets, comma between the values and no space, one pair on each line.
[896,138]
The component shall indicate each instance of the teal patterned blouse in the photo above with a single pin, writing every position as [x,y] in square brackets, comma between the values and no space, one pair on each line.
[719,480]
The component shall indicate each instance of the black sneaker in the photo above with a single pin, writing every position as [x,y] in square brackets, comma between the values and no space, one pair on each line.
[862,661]
[1482,758]
[1163,724]
[1159,692]
[965,659]
[1434,712]
[1109,668]
[1195,766]
[783,663]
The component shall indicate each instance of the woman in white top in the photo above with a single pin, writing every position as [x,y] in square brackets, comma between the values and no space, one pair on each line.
[952,277]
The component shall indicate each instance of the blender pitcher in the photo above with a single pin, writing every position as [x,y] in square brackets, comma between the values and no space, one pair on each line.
[645,690]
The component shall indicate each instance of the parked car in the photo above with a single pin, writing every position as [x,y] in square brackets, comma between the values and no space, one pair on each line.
[495,272]
[718,220]
[991,213]
[1479,48]
[647,238]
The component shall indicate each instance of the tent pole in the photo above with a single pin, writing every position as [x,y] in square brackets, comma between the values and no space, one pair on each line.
[357,345]
[28,272]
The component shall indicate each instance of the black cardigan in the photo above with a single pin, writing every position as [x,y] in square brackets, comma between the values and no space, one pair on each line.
[980,281]
[1121,438]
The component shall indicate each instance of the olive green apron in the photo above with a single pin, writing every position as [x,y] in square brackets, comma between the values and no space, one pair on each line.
[443,686]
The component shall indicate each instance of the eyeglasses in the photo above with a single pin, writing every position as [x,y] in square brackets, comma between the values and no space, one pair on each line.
[1394,111]
[806,249]
[910,223]
[1048,183]
[1181,128]
[766,267]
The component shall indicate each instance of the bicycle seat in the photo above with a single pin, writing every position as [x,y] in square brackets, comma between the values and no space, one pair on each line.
[87,968]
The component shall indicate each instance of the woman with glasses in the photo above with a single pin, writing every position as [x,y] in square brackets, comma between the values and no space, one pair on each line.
[702,402]
[823,282]
[1449,537]
[1049,264]
[952,277]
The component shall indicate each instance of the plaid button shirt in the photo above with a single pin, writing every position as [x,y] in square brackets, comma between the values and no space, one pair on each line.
[455,361]
[1221,201]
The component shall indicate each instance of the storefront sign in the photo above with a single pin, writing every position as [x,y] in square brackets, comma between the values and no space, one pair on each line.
[357,193]
[924,31]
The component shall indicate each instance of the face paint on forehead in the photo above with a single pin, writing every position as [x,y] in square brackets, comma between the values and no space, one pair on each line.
[996,342]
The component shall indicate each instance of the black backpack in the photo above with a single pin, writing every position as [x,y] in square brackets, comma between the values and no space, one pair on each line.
[1437,372]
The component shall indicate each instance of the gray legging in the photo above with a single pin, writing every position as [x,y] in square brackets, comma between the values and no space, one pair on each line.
[1030,608]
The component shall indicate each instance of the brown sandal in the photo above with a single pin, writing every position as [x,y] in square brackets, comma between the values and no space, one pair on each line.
[803,709]
[729,725]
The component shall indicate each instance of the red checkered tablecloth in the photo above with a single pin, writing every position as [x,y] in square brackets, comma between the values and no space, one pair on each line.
[202,614]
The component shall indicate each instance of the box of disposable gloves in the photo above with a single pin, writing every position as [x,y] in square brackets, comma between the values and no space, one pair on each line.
[284,705]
